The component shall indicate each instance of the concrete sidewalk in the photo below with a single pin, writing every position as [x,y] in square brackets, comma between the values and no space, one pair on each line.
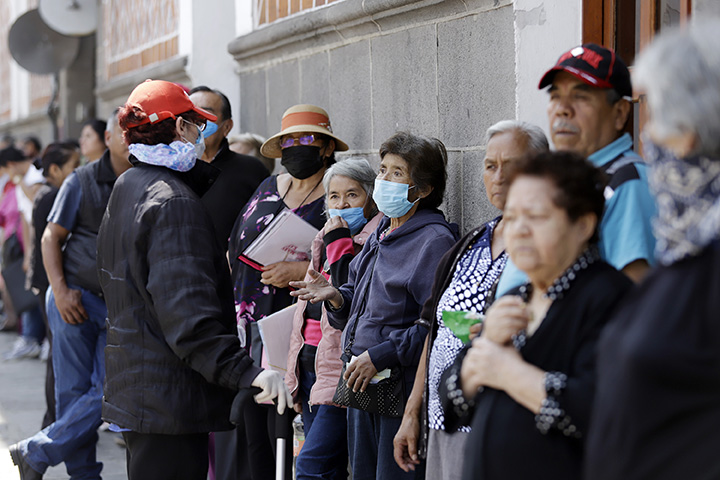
[22,406]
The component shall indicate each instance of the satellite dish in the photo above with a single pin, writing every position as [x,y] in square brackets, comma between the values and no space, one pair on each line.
[70,17]
[38,48]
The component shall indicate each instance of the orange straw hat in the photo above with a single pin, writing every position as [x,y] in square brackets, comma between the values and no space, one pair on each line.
[301,118]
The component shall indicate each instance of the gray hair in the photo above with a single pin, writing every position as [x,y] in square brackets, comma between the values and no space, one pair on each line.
[536,140]
[252,139]
[680,72]
[355,168]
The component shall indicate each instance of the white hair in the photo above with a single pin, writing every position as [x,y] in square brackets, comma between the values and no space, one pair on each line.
[536,140]
[355,168]
[680,73]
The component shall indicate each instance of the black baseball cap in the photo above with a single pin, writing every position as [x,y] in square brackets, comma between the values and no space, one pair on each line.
[595,65]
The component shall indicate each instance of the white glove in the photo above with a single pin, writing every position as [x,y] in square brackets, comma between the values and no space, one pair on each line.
[273,386]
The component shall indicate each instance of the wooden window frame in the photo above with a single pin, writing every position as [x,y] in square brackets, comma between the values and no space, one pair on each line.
[600,25]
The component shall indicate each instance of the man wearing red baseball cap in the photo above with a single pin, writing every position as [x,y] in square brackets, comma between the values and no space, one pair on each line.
[590,94]
[173,361]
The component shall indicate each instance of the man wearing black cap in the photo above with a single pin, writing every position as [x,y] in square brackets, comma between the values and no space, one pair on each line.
[590,94]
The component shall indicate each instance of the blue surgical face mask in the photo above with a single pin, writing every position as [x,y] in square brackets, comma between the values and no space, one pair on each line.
[355,217]
[199,145]
[210,128]
[391,198]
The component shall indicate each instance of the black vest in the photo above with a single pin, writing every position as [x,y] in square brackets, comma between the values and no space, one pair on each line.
[80,254]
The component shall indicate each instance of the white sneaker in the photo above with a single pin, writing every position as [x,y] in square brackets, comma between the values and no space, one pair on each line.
[23,348]
[45,350]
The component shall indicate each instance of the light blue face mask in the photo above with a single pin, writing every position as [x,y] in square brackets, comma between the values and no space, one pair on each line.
[391,198]
[354,217]
[210,128]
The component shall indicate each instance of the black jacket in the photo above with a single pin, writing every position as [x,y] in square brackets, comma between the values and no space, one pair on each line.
[239,176]
[173,360]
[504,442]
[428,316]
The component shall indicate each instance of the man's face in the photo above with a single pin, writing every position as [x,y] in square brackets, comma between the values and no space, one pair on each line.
[581,120]
[212,103]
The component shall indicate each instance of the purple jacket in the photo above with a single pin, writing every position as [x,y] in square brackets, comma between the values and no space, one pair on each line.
[327,360]
[392,278]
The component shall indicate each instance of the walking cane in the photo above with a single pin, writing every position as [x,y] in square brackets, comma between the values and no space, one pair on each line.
[283,426]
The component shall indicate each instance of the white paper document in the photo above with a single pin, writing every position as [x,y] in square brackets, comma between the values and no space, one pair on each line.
[288,238]
[275,333]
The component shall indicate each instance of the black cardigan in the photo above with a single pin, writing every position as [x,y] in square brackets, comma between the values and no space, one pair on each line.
[657,413]
[504,442]
[428,317]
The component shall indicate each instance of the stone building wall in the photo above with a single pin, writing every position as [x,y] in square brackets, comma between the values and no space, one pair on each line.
[444,69]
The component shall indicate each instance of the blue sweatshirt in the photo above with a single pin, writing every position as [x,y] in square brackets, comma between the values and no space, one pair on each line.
[393,277]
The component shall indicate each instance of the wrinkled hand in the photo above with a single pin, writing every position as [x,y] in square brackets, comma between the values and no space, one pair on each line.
[69,304]
[273,386]
[282,273]
[359,373]
[405,443]
[333,223]
[297,407]
[316,290]
[485,364]
[505,318]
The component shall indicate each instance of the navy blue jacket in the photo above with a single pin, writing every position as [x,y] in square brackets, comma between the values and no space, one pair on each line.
[393,277]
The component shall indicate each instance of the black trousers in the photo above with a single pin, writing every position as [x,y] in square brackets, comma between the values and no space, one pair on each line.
[231,455]
[49,416]
[166,457]
[261,441]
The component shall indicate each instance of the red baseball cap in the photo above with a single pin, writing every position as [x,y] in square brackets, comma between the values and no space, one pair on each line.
[161,100]
[595,65]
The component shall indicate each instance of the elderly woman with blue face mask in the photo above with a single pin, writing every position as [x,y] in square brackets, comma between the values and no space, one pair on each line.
[387,285]
[658,394]
[314,363]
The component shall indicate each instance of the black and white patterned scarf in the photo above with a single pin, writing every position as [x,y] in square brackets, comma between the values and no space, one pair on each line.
[687,193]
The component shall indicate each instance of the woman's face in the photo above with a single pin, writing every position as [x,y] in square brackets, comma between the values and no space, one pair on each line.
[345,192]
[503,150]
[57,175]
[91,146]
[393,168]
[539,236]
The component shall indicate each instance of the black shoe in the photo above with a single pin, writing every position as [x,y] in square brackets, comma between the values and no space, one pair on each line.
[26,471]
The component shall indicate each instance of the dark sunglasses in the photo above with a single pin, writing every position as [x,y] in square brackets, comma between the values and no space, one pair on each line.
[304,140]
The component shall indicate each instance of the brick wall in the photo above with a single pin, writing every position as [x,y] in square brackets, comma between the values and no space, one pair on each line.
[138,33]
[40,85]
[267,11]
[5,59]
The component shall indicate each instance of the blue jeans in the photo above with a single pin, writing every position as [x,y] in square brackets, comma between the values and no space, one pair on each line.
[79,361]
[370,437]
[33,325]
[324,454]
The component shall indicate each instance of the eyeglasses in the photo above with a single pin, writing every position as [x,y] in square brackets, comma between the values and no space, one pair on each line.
[304,140]
[200,126]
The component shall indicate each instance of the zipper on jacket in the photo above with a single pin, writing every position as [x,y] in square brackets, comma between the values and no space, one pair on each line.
[315,363]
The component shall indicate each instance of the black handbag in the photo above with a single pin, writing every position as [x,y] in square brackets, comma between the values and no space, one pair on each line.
[386,397]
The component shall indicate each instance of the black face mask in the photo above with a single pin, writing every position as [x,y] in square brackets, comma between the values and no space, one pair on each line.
[302,161]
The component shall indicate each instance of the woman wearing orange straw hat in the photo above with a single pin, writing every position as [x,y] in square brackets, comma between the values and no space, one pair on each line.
[306,146]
